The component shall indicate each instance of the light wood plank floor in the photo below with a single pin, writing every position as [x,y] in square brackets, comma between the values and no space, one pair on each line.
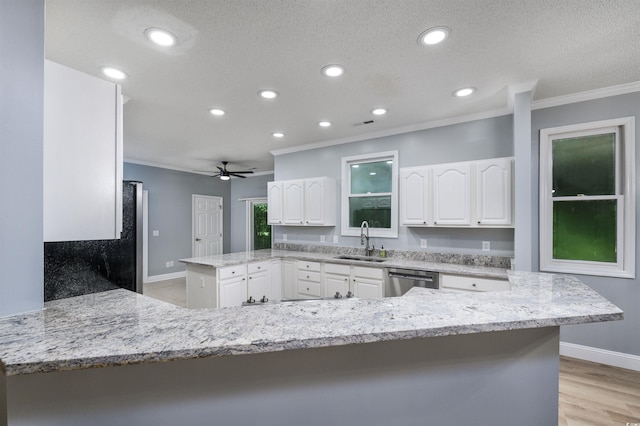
[590,394]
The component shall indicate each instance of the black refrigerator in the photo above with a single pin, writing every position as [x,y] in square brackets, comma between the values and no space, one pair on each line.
[75,268]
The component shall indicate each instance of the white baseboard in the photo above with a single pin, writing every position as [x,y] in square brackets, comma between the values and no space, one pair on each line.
[163,277]
[601,356]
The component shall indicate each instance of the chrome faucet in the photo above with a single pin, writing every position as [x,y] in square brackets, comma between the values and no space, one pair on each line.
[364,239]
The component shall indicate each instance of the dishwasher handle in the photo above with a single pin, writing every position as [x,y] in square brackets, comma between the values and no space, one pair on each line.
[411,277]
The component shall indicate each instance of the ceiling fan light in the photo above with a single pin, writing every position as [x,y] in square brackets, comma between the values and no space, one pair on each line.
[225,177]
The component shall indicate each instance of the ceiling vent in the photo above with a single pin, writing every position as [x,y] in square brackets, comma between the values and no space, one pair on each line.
[364,122]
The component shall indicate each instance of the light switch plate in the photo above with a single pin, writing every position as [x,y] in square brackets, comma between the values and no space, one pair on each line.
[423,243]
[335,239]
[486,246]
[284,237]
[322,238]
[156,233]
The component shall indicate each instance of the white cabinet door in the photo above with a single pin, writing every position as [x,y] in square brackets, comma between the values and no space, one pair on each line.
[319,201]
[414,196]
[335,283]
[367,288]
[452,194]
[293,202]
[494,204]
[289,268]
[233,291]
[258,280]
[82,149]
[275,203]
[277,282]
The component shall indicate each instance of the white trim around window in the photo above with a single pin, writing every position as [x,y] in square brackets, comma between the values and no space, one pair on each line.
[391,232]
[624,266]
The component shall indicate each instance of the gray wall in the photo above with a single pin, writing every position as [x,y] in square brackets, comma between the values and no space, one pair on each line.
[475,140]
[21,112]
[618,336]
[250,187]
[170,213]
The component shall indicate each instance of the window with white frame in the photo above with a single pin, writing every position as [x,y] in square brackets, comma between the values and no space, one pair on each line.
[370,193]
[587,198]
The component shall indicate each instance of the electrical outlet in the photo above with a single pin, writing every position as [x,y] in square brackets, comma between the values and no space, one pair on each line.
[322,238]
[486,246]
[201,282]
[423,243]
[335,239]
[156,233]
[284,237]
[169,264]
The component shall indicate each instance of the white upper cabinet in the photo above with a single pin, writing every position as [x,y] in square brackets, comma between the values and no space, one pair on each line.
[293,202]
[82,156]
[414,199]
[494,188]
[468,194]
[452,194]
[275,215]
[302,202]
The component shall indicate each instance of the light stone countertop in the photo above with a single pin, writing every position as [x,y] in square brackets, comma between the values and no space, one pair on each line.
[231,259]
[120,327]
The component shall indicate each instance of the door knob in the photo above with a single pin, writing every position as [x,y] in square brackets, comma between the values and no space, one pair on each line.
[198,239]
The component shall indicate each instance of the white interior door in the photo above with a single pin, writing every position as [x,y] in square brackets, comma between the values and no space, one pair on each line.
[207,225]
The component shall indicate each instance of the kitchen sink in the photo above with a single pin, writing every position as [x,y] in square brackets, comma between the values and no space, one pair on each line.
[359,258]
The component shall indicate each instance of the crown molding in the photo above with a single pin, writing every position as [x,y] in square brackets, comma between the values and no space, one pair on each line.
[605,92]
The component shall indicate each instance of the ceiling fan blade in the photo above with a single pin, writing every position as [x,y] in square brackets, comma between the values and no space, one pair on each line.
[221,169]
[237,175]
[245,171]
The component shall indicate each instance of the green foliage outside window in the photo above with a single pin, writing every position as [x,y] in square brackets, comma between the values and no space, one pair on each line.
[261,229]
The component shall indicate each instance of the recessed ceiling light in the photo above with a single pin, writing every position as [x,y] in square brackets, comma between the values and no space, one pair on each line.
[434,36]
[113,73]
[465,91]
[379,111]
[267,93]
[217,111]
[324,124]
[333,70]
[277,134]
[372,173]
[160,37]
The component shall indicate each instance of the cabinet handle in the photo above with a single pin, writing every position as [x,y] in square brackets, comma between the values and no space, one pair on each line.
[233,272]
[307,278]
[424,222]
[250,278]
[473,285]
[301,222]
[478,222]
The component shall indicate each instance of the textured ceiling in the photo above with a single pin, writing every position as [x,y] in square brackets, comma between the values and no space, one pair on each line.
[228,50]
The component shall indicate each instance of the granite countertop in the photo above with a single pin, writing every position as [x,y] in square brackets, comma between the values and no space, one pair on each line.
[231,259]
[120,327]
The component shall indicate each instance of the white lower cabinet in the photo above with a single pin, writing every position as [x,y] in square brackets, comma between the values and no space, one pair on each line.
[289,270]
[469,283]
[361,281]
[258,281]
[233,291]
[336,279]
[309,283]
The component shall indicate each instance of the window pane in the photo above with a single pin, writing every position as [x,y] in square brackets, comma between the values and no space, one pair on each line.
[261,230]
[371,178]
[375,210]
[585,230]
[584,165]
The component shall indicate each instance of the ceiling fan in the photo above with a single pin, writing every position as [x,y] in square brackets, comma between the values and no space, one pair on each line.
[225,174]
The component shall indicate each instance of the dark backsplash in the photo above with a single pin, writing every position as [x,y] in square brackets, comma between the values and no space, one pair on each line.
[75,268]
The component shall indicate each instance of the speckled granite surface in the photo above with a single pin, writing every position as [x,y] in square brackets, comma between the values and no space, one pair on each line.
[230,259]
[121,327]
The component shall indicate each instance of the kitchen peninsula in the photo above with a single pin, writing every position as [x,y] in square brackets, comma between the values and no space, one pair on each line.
[430,357]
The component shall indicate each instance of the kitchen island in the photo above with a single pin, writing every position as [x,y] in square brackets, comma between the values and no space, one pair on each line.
[431,357]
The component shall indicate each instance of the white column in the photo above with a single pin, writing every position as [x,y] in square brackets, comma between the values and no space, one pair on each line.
[21,106]
[524,235]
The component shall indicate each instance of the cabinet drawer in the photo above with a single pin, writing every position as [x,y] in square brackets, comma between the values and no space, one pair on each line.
[308,266]
[231,271]
[335,268]
[361,271]
[309,276]
[473,283]
[309,288]
[257,267]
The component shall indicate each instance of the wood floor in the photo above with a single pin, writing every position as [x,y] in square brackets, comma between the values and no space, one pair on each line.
[598,395]
[590,394]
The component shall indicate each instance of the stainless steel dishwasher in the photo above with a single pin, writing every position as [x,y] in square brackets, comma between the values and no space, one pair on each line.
[399,281]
